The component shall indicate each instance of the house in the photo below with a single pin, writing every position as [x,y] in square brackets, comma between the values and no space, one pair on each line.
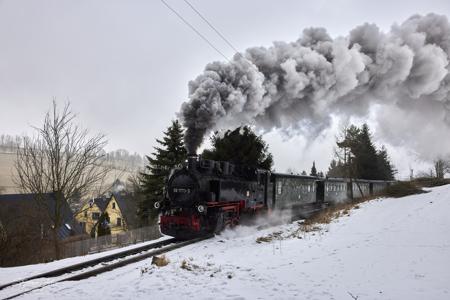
[119,208]
[27,227]
[89,215]
[122,213]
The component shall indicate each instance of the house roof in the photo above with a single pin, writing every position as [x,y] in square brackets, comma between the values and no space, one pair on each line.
[101,202]
[127,207]
[22,207]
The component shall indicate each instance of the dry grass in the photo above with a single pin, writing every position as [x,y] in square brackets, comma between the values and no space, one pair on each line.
[268,238]
[160,261]
[402,189]
[430,181]
[333,212]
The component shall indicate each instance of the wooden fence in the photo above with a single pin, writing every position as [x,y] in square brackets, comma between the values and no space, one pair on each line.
[72,248]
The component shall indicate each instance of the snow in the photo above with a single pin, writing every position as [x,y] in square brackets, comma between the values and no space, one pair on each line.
[386,249]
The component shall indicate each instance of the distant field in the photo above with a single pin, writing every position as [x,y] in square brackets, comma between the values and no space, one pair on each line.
[7,185]
[6,173]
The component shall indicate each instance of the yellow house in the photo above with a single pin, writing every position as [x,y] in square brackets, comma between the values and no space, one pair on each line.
[90,213]
[120,209]
[122,214]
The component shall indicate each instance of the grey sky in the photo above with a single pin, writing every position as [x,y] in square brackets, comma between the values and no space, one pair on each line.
[125,65]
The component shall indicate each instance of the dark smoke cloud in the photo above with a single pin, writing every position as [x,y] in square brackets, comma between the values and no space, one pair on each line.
[297,86]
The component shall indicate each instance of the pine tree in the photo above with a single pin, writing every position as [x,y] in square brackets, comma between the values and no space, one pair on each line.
[167,155]
[359,158]
[385,168]
[313,170]
[304,173]
[365,155]
[242,147]
[336,169]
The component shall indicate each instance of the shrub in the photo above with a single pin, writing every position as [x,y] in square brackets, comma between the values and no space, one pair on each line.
[402,188]
[430,181]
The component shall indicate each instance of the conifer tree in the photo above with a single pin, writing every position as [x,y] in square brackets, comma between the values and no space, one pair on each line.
[170,153]
[240,146]
[385,168]
[313,170]
[365,155]
[358,157]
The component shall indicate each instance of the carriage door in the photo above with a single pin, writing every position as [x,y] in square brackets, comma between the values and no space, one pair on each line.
[320,191]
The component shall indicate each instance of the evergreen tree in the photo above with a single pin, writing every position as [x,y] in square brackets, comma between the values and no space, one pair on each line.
[313,170]
[304,173]
[385,168]
[103,225]
[358,157]
[240,146]
[365,163]
[167,155]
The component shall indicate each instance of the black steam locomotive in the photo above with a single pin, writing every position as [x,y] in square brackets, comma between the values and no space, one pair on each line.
[204,196]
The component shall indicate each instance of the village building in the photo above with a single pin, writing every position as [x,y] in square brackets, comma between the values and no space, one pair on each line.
[27,222]
[89,215]
[119,209]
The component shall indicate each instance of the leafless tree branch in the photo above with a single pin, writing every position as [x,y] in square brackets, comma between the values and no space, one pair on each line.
[61,159]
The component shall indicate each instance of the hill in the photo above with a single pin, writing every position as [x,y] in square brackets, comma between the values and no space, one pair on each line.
[121,168]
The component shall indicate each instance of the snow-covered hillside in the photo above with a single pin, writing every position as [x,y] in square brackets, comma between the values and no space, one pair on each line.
[386,249]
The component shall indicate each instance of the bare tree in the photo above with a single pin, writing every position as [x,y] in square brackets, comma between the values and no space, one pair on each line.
[61,159]
[441,167]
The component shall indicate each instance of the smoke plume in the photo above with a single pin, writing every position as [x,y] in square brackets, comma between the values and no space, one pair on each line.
[297,86]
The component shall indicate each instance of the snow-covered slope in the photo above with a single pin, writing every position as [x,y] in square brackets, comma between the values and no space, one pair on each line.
[386,249]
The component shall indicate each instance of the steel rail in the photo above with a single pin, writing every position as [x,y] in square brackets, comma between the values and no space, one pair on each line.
[113,266]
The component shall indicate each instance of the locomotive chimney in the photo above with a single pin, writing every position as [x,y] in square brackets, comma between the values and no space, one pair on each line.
[192,161]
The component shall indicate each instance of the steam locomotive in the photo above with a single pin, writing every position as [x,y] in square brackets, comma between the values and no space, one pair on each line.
[204,196]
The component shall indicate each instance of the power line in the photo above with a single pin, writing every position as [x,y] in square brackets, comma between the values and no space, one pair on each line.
[194,29]
[212,27]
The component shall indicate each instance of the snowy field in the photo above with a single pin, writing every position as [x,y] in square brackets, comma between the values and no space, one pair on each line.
[386,249]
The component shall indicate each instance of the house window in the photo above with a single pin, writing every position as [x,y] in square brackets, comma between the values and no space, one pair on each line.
[114,205]
[95,216]
[119,222]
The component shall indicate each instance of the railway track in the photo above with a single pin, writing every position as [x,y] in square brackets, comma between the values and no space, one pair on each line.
[95,266]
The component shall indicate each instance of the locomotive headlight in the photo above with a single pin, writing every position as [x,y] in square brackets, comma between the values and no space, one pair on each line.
[201,208]
[157,205]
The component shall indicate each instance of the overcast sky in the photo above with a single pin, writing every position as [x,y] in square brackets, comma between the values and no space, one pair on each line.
[125,65]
